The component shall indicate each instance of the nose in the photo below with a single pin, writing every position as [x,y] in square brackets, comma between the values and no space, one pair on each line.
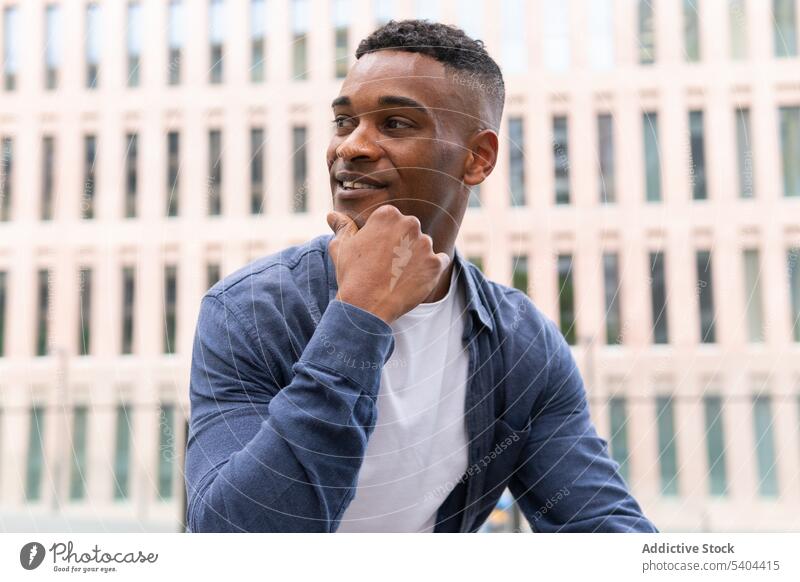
[359,145]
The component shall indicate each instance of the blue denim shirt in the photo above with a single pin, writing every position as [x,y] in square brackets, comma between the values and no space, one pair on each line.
[284,383]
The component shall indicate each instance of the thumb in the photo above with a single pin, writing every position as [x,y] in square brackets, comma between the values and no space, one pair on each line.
[342,225]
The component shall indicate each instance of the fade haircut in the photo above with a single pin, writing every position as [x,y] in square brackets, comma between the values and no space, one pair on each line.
[466,57]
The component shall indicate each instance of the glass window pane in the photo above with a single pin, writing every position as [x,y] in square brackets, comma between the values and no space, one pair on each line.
[566,299]
[170,307]
[514,49]
[300,20]
[122,459]
[35,466]
[471,17]
[10,48]
[3,284]
[77,480]
[89,176]
[42,310]
[691,29]
[173,173]
[647,36]
[561,159]
[93,44]
[516,169]
[555,36]
[215,172]
[605,156]
[744,153]
[53,47]
[384,11]
[174,41]
[256,170]
[128,289]
[667,445]
[753,301]
[618,416]
[705,293]
[134,34]
[300,165]
[737,12]
[48,177]
[613,298]
[765,446]
[85,311]
[698,157]
[601,34]
[6,177]
[166,451]
[427,10]
[784,17]
[793,269]
[131,174]
[519,269]
[652,157]
[658,297]
[715,446]
[790,149]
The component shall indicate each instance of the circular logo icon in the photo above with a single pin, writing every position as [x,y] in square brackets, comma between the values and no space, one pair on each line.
[31,555]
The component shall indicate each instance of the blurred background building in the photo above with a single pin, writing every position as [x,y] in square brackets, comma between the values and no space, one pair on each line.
[647,197]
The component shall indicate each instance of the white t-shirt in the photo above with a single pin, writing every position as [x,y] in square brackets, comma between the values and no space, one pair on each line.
[418,449]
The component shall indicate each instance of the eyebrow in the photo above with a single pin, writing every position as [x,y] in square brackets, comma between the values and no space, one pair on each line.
[391,100]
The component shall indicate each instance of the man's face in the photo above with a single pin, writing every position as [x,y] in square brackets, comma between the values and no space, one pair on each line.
[401,131]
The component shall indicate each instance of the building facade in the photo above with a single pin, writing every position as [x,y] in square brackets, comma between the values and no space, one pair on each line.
[647,197]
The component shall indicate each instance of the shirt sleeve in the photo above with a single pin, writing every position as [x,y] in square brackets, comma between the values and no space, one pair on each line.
[566,481]
[265,457]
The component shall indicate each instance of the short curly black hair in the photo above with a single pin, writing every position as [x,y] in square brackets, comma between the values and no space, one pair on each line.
[450,45]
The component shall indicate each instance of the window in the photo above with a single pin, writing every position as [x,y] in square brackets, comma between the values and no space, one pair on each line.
[519,269]
[785,21]
[166,450]
[42,309]
[77,479]
[122,452]
[474,200]
[698,157]
[384,10]
[3,285]
[613,298]
[52,48]
[341,17]
[299,163]
[715,446]
[93,45]
[128,288]
[618,416]
[212,274]
[790,149]
[173,172]
[753,303]
[691,30]
[516,161]
[131,162]
[737,14]
[744,153]
[477,261]
[134,35]
[10,46]
[658,298]
[174,41]
[652,157]
[566,299]
[667,447]
[170,307]
[647,33]
[35,467]
[555,36]
[214,172]
[84,311]
[705,294]
[48,180]
[605,156]
[601,34]
[216,36]
[6,177]
[514,47]
[793,269]
[561,159]
[470,17]
[299,41]
[256,170]
[258,22]
[89,162]
[765,446]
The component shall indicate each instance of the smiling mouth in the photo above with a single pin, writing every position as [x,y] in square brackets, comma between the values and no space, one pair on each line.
[348,185]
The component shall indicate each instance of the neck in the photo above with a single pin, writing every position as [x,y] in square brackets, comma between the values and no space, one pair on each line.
[443,285]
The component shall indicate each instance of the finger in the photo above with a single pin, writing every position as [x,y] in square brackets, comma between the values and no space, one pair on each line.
[341,224]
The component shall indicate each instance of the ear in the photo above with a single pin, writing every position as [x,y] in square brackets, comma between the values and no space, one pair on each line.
[482,157]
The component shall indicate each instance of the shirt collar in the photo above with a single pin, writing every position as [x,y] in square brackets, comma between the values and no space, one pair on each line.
[475,298]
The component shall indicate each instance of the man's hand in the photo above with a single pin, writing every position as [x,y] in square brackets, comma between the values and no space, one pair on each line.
[388,267]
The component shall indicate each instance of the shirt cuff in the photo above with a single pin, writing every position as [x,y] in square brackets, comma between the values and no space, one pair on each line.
[352,342]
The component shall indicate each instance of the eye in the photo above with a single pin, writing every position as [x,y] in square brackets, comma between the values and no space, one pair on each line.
[398,123]
[342,122]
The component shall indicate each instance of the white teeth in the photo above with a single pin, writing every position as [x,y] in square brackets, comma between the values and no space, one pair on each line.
[353,185]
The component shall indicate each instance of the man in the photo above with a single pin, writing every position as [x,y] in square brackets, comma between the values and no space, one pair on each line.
[374,380]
